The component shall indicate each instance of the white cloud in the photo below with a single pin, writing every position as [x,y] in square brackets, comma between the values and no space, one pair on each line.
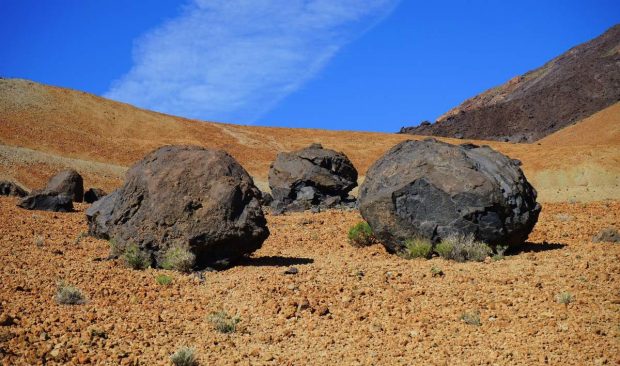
[234,60]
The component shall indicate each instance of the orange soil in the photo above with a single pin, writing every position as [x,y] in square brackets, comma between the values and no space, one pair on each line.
[345,306]
[57,128]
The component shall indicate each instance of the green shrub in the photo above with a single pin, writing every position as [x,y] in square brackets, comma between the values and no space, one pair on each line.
[417,248]
[472,318]
[135,258]
[436,271]
[163,280]
[224,323]
[361,235]
[564,298]
[69,295]
[499,252]
[80,236]
[184,356]
[178,259]
[463,248]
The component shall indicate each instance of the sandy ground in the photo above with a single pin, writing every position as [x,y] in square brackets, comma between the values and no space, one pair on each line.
[346,306]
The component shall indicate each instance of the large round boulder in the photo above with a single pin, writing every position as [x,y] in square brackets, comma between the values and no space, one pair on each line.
[93,195]
[68,182]
[311,176]
[432,189]
[187,197]
[47,201]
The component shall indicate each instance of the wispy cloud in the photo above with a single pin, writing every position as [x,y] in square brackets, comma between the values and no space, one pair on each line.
[234,60]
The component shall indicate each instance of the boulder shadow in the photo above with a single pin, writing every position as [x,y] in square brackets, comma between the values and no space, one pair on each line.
[274,261]
[529,247]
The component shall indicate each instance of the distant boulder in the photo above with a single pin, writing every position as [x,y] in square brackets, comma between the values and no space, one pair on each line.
[190,197]
[311,176]
[67,182]
[607,235]
[8,188]
[93,194]
[47,201]
[433,189]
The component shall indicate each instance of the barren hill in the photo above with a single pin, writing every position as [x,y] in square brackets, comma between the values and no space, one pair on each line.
[44,129]
[572,86]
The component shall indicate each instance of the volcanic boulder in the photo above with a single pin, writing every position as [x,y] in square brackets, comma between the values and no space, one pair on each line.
[433,189]
[93,194]
[188,197]
[67,182]
[311,176]
[11,189]
[47,201]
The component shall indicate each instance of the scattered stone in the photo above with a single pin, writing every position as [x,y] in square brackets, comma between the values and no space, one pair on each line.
[310,177]
[11,189]
[433,189]
[47,201]
[266,199]
[184,196]
[68,182]
[6,320]
[608,235]
[291,271]
[93,195]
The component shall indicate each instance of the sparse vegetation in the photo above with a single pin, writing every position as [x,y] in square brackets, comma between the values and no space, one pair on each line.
[564,298]
[163,280]
[224,323]
[417,248]
[69,295]
[135,258]
[361,235]
[471,318]
[499,252]
[80,236]
[184,356]
[38,240]
[179,259]
[463,248]
[563,217]
[436,272]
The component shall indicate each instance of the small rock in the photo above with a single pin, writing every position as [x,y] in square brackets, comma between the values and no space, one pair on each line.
[291,271]
[322,310]
[6,320]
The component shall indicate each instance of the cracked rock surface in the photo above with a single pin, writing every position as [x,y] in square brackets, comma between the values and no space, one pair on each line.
[433,189]
[185,196]
[311,176]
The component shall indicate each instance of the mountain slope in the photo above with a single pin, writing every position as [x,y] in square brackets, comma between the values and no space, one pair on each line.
[45,128]
[568,88]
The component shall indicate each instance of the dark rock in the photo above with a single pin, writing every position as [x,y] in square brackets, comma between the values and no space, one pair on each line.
[185,196]
[68,182]
[266,199]
[93,195]
[310,176]
[315,209]
[11,189]
[47,201]
[425,123]
[608,235]
[566,89]
[433,189]
[291,271]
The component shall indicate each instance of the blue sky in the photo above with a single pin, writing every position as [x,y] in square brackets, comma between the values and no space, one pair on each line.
[371,65]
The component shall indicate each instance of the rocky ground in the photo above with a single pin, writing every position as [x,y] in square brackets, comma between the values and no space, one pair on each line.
[344,306]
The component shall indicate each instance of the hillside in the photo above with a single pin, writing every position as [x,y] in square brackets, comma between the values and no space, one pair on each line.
[45,128]
[572,86]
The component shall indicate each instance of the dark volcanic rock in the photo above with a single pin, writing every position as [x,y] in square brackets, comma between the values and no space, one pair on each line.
[47,201]
[572,86]
[311,176]
[68,182]
[93,194]
[184,196]
[433,189]
[266,199]
[11,189]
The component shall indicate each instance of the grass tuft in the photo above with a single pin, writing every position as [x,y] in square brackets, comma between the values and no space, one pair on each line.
[462,248]
[361,235]
[136,258]
[471,318]
[184,356]
[417,248]
[69,295]
[163,280]
[564,298]
[224,323]
[436,272]
[178,259]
